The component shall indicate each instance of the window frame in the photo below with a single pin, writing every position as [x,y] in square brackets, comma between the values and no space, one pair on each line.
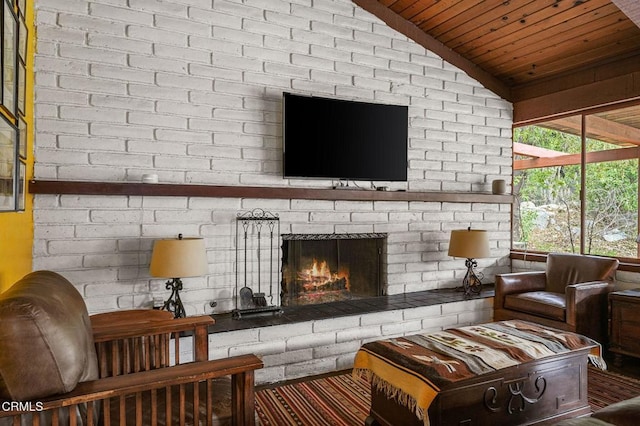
[626,263]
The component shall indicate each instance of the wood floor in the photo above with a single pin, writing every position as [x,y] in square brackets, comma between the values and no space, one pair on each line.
[630,366]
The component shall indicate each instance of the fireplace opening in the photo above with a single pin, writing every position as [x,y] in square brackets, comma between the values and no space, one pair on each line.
[321,268]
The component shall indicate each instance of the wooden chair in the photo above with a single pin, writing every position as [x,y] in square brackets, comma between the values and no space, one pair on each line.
[140,373]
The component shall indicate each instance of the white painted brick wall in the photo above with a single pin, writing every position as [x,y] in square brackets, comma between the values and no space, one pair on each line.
[191,90]
[317,347]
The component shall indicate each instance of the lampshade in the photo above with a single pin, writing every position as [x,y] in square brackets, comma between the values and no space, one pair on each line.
[469,243]
[179,258]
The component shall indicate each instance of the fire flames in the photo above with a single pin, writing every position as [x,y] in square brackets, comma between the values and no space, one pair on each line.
[319,276]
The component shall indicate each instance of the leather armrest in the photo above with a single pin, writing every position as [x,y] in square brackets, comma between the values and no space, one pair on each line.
[517,282]
[579,299]
[596,286]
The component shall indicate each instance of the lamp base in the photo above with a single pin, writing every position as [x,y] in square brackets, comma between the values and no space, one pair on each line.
[174,303]
[471,283]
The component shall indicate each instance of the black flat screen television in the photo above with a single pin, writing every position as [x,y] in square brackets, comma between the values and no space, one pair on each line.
[338,139]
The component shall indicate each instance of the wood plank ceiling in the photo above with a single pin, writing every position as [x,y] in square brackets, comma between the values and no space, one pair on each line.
[528,49]
[523,49]
[521,41]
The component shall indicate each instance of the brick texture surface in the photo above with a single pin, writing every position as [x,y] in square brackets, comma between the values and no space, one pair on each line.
[191,90]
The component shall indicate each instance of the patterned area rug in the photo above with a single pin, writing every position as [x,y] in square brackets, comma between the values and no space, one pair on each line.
[605,388]
[337,400]
[342,401]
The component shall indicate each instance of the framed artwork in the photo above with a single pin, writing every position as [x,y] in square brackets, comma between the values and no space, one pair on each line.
[9,57]
[22,138]
[20,185]
[22,87]
[13,85]
[8,140]
[22,39]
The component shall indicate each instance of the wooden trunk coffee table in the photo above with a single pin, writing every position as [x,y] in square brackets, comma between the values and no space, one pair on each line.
[541,390]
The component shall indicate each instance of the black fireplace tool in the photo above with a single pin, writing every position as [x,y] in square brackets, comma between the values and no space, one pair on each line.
[258,298]
[249,302]
[245,293]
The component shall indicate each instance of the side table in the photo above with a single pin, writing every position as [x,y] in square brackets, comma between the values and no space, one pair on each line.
[625,324]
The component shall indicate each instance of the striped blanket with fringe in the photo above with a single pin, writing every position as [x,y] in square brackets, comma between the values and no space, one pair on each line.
[413,369]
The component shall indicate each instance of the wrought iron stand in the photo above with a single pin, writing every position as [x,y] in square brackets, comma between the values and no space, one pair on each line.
[251,262]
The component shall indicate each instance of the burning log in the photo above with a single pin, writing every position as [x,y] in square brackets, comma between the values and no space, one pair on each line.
[319,278]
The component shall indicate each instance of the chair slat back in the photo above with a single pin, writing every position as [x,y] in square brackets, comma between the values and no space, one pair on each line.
[141,340]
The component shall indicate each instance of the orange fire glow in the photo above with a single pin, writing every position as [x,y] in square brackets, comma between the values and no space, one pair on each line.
[321,271]
[319,274]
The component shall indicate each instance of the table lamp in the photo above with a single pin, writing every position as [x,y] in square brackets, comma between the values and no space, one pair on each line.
[175,259]
[470,244]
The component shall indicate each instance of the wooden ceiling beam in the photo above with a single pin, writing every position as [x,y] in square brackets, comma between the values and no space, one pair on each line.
[520,148]
[571,98]
[574,159]
[600,129]
[411,31]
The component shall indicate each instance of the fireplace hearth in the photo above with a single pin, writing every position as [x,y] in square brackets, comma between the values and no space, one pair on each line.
[323,268]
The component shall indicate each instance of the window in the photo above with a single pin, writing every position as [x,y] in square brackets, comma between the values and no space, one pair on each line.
[576,184]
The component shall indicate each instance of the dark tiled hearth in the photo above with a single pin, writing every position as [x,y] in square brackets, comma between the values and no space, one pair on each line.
[294,314]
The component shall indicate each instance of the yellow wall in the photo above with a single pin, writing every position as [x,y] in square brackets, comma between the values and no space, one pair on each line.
[16,229]
[16,246]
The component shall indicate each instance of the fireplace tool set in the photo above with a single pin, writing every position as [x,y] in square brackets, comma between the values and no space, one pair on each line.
[257,238]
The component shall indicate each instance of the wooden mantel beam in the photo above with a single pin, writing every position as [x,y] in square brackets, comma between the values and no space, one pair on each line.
[262,192]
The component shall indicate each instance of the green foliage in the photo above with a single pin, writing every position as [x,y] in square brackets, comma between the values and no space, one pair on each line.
[611,195]
[527,224]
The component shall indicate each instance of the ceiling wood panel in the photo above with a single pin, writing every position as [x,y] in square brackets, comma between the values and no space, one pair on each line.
[527,49]
[591,45]
[441,12]
[543,35]
[481,18]
[501,27]
[512,40]
[560,63]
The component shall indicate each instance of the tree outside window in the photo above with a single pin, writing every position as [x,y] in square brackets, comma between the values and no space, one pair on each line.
[568,203]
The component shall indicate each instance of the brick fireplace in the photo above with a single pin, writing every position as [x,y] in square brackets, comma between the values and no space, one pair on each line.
[322,268]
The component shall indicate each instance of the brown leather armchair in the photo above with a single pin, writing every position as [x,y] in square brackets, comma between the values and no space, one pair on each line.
[58,365]
[571,294]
